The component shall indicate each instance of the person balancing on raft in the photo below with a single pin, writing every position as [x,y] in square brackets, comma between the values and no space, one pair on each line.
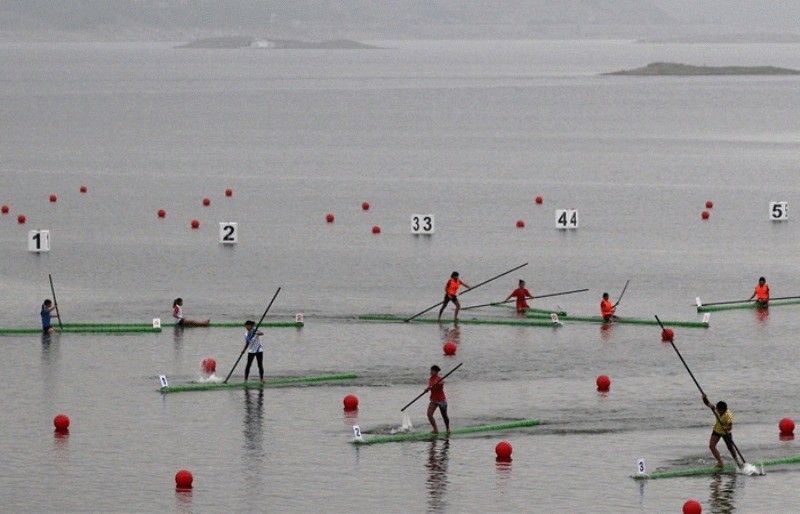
[438,399]
[607,309]
[761,293]
[521,294]
[723,428]
[451,294]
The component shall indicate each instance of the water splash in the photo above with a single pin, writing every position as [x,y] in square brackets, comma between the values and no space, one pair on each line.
[406,426]
[749,469]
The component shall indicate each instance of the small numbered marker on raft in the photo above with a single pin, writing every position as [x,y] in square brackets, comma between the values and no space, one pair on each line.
[229,233]
[706,317]
[157,323]
[39,241]
[566,218]
[640,467]
[357,433]
[163,380]
[422,224]
[298,318]
[777,211]
[554,318]
[698,302]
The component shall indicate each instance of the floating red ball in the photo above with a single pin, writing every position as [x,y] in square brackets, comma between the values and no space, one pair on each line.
[4,209]
[350,402]
[209,365]
[503,450]
[692,507]
[365,206]
[53,198]
[184,479]
[206,201]
[667,335]
[709,204]
[329,218]
[21,218]
[376,229]
[705,215]
[229,192]
[603,383]
[450,348]
[61,422]
[520,224]
[539,200]
[195,224]
[83,189]
[786,426]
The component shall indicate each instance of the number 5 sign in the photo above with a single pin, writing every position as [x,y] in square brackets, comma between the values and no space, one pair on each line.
[777,211]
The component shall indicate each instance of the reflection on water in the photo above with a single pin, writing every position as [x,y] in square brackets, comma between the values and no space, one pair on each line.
[723,489]
[503,471]
[437,474]
[762,315]
[252,428]
[605,331]
[451,333]
[183,501]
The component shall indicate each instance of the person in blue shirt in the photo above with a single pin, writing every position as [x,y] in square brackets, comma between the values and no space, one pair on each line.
[47,308]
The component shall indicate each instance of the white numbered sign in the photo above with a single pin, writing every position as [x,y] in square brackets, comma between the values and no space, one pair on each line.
[39,241]
[566,218]
[422,223]
[157,323]
[163,380]
[640,467]
[706,317]
[777,211]
[298,318]
[229,233]
[357,432]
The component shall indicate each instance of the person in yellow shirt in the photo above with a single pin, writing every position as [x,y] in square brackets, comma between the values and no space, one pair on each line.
[723,429]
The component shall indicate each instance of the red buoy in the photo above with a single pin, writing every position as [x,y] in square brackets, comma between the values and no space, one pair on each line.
[667,335]
[184,479]
[195,224]
[61,422]
[329,218]
[709,204]
[692,507]
[53,198]
[229,192]
[21,219]
[206,201]
[4,209]
[161,213]
[376,229]
[365,206]
[705,215]
[503,450]
[520,224]
[209,365]
[786,426]
[603,383]
[539,200]
[84,189]
[449,348]
[350,402]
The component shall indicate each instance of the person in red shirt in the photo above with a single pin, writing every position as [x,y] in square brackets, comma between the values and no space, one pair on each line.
[607,309]
[438,399]
[451,293]
[521,294]
[761,292]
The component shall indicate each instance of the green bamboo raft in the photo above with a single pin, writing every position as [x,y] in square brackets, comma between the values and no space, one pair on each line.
[255,383]
[535,310]
[104,327]
[427,436]
[712,470]
[745,305]
[473,321]
[633,321]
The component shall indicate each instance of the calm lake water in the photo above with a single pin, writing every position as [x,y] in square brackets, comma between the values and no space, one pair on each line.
[470,132]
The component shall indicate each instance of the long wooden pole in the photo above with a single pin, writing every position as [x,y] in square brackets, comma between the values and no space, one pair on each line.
[468,290]
[531,298]
[428,388]
[55,302]
[253,332]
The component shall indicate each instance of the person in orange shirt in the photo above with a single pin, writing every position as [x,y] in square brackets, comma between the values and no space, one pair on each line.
[451,293]
[607,309]
[761,293]
[521,294]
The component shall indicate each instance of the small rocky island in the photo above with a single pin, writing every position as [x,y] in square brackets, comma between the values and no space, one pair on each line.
[671,68]
[228,42]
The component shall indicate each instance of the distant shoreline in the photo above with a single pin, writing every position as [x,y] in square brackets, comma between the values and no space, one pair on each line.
[227,42]
[687,70]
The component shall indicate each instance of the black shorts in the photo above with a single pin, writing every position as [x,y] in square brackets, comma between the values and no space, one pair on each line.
[450,298]
[727,437]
